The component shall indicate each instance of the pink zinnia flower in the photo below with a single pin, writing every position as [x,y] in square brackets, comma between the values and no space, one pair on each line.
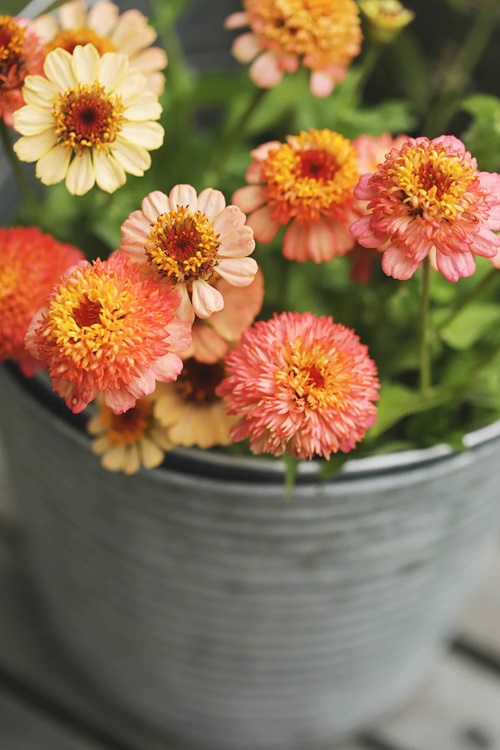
[301,384]
[107,329]
[186,240]
[307,182]
[32,263]
[323,36]
[429,196]
[21,53]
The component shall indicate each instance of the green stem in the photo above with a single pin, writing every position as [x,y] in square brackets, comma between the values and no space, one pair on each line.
[473,294]
[460,73]
[367,67]
[29,203]
[233,135]
[425,360]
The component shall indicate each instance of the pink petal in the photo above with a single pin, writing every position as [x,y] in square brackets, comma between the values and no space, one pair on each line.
[249,198]
[237,20]
[265,228]
[155,204]
[455,266]
[363,190]
[265,71]
[211,202]
[183,195]
[239,309]
[343,240]
[490,181]
[206,299]
[321,84]
[237,244]
[143,384]
[185,310]
[167,368]
[451,142]
[208,346]
[295,242]
[245,47]
[362,231]
[398,265]
[179,334]
[118,400]
[238,272]
[320,245]
[485,243]
[228,220]
[262,151]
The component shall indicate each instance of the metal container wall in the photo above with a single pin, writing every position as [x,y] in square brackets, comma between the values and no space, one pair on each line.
[230,617]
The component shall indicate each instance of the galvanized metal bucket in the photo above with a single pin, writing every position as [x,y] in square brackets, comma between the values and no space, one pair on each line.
[230,617]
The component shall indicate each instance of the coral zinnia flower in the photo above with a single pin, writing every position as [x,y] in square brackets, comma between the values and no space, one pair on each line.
[185,238]
[32,263]
[426,196]
[301,384]
[212,337]
[323,35]
[130,440]
[108,31]
[21,54]
[307,182]
[107,329]
[190,410]
[89,121]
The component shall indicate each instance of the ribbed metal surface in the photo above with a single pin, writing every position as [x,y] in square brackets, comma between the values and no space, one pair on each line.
[233,618]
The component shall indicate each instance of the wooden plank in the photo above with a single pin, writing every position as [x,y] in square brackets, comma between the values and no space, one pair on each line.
[458,709]
[22,728]
[480,625]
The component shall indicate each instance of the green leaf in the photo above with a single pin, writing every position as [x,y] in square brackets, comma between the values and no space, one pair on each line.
[470,325]
[482,137]
[397,402]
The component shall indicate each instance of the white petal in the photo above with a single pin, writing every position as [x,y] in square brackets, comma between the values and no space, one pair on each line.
[103,17]
[86,63]
[53,166]
[109,175]
[150,60]
[58,69]
[81,175]
[237,244]
[132,158]
[155,204]
[228,220]
[131,86]
[152,455]
[211,202]
[39,91]
[132,32]
[206,299]
[112,71]
[149,109]
[32,120]
[73,14]
[183,195]
[149,135]
[46,27]
[246,47]
[34,147]
[238,272]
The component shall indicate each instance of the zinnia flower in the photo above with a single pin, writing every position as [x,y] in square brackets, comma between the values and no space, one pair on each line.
[130,440]
[301,384]
[103,26]
[32,263]
[107,329]
[386,18]
[190,410]
[324,36]
[307,182]
[429,196]
[89,121]
[185,239]
[21,53]
[213,337]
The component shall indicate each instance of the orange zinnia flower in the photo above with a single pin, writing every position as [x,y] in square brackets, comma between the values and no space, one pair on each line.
[21,53]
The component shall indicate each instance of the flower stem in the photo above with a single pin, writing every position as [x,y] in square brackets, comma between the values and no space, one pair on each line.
[425,361]
[473,294]
[29,203]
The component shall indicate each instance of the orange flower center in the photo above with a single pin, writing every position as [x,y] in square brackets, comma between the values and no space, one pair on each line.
[311,175]
[131,426]
[183,245]
[316,377]
[433,181]
[198,381]
[88,117]
[326,31]
[12,37]
[68,39]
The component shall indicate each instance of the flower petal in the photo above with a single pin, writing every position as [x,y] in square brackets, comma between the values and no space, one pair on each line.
[265,71]
[211,202]
[265,228]
[58,69]
[238,272]
[183,195]
[33,120]
[112,71]
[249,198]
[146,134]
[155,204]
[52,167]
[206,299]
[85,63]
[81,175]
[133,159]
[109,175]
[34,147]
[39,91]
[246,47]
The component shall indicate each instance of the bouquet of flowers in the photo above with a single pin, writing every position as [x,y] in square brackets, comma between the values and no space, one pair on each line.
[298,258]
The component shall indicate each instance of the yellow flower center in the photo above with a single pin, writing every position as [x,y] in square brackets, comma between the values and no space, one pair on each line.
[183,245]
[433,181]
[317,377]
[131,426]
[68,39]
[312,175]
[87,117]
[198,381]
[326,30]
[12,38]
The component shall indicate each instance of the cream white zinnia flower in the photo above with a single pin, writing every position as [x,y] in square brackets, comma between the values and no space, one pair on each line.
[104,27]
[89,121]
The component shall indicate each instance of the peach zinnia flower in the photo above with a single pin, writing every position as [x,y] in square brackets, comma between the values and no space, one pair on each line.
[429,196]
[307,182]
[185,239]
[21,54]
[130,440]
[324,36]
[106,329]
[190,410]
[103,26]
[301,384]
[32,263]
[90,120]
